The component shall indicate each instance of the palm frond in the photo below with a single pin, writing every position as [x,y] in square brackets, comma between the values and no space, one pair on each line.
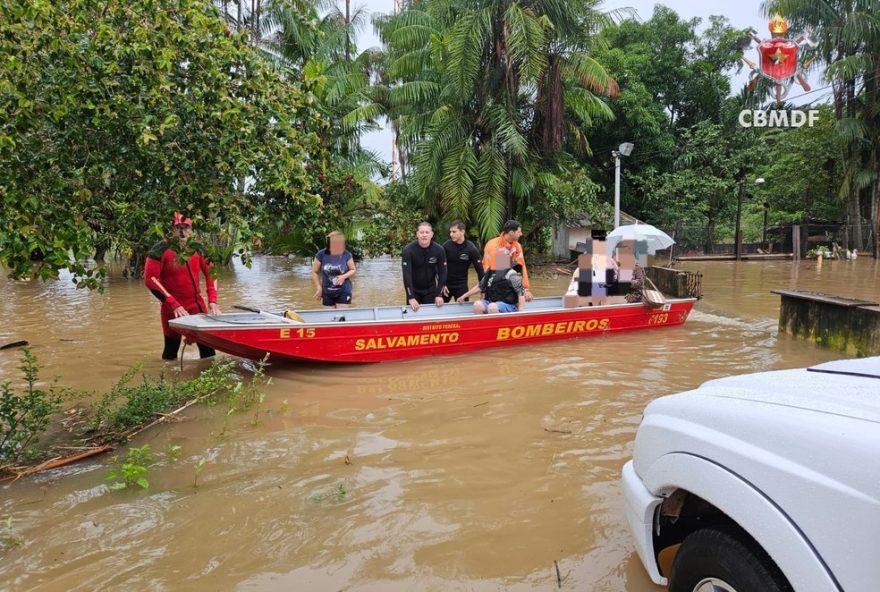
[525,40]
[522,182]
[505,128]
[457,182]
[590,74]
[851,130]
[416,92]
[466,42]
[489,199]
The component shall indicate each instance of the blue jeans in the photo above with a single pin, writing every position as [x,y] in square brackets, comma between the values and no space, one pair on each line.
[502,306]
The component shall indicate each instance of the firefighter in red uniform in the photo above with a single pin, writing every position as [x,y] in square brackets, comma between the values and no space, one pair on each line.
[177,285]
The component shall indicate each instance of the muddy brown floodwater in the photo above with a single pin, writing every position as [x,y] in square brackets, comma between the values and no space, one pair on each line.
[471,472]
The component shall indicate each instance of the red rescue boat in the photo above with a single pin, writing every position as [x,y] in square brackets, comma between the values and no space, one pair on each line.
[397,333]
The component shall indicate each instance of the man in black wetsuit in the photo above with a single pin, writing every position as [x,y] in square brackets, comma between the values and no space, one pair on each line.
[460,255]
[424,269]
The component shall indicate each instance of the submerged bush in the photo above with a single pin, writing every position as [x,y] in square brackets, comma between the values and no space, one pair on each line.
[128,404]
[134,403]
[25,412]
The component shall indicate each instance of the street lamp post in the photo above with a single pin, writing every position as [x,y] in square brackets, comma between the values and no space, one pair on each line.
[624,149]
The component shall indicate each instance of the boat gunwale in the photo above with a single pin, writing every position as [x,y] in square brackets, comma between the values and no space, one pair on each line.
[215,324]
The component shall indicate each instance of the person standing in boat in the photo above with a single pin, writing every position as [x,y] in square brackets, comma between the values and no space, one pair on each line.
[461,254]
[174,280]
[424,269]
[332,270]
[502,288]
[508,243]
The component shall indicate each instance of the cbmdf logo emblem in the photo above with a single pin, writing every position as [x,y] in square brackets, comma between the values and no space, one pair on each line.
[780,62]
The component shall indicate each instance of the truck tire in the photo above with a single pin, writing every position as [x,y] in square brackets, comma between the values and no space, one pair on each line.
[721,560]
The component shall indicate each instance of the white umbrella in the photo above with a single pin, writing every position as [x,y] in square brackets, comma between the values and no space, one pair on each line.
[656,238]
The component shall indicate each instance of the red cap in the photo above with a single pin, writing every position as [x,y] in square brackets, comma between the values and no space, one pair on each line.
[179,219]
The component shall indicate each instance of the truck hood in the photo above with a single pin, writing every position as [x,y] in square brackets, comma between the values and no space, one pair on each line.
[848,388]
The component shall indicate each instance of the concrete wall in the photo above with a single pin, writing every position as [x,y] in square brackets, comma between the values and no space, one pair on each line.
[854,330]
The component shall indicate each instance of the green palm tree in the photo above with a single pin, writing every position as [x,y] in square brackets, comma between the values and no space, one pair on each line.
[490,96]
[316,40]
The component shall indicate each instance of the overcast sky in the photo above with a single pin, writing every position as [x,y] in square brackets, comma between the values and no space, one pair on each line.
[747,14]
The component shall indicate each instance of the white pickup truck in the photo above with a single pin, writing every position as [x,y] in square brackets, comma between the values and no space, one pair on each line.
[765,482]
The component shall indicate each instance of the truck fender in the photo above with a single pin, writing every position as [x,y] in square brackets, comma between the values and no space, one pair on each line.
[754,512]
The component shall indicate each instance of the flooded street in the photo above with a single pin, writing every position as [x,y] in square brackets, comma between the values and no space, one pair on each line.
[472,472]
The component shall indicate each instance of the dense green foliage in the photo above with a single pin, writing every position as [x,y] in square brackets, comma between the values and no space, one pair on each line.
[492,100]
[802,170]
[674,99]
[711,163]
[848,38]
[131,403]
[110,121]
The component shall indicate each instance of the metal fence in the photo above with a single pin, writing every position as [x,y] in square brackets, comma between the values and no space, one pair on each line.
[696,240]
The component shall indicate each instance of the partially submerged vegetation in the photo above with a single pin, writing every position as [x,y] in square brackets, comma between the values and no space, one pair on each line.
[35,435]
[25,413]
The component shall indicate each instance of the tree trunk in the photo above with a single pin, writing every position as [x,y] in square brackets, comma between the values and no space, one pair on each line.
[255,16]
[710,237]
[854,217]
[553,120]
[875,216]
[135,268]
[348,30]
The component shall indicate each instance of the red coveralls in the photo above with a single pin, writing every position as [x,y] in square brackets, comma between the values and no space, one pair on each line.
[177,285]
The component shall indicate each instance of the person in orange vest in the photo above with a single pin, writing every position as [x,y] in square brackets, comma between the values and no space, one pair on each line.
[176,284]
[508,243]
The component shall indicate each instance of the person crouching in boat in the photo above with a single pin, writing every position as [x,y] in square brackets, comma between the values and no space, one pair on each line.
[508,243]
[175,281]
[332,270]
[503,288]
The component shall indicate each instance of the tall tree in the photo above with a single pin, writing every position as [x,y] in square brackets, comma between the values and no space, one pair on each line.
[711,162]
[671,78]
[321,50]
[848,36]
[110,121]
[489,95]
[804,170]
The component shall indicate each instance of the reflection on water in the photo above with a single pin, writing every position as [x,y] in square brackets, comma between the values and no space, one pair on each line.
[472,472]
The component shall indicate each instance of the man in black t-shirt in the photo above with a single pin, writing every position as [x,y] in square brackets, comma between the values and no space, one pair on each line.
[460,255]
[424,269]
